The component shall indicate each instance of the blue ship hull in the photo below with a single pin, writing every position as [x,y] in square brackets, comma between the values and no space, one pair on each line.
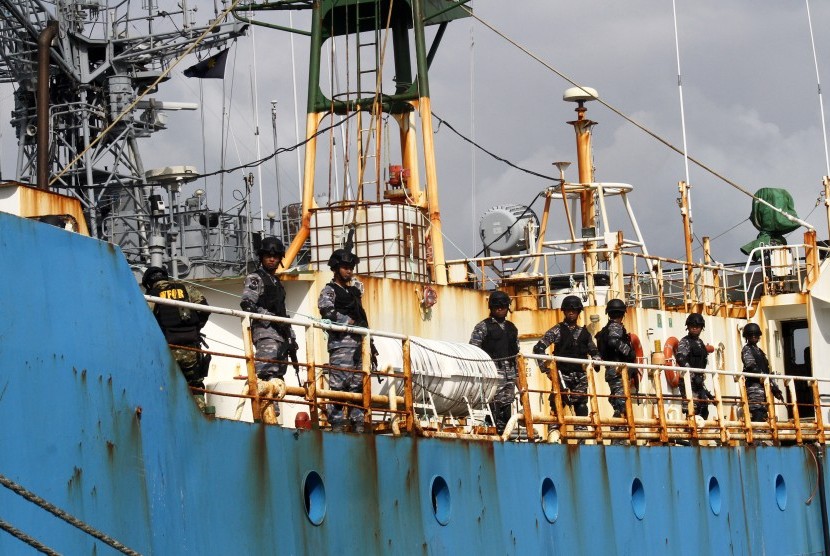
[97,420]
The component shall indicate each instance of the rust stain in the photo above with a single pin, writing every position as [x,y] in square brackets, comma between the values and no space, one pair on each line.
[110,449]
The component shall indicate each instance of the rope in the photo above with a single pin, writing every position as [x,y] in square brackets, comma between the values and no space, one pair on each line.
[13,531]
[57,512]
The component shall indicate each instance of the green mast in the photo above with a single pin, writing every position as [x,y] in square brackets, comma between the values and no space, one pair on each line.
[373,28]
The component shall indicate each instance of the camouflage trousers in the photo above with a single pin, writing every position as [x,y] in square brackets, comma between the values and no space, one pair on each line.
[189,363]
[270,348]
[345,381]
[758,409]
[502,405]
[194,370]
[702,397]
[615,384]
[576,383]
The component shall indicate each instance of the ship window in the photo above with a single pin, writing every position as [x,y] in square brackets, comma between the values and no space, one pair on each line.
[714,496]
[441,500]
[314,494]
[550,500]
[780,492]
[638,498]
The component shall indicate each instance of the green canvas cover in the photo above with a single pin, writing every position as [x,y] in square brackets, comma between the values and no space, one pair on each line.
[771,224]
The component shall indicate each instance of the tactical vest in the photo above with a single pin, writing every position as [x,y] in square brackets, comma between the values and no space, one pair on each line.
[180,326]
[697,353]
[607,352]
[500,343]
[273,296]
[347,302]
[568,347]
[761,363]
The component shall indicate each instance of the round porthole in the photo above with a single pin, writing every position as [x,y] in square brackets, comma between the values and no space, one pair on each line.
[550,500]
[314,495]
[638,498]
[780,492]
[441,506]
[715,500]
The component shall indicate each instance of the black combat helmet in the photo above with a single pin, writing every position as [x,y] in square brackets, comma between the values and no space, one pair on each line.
[572,303]
[498,299]
[341,257]
[153,275]
[695,319]
[615,307]
[271,246]
[752,329]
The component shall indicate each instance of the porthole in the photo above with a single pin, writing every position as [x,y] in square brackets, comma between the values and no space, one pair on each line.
[715,500]
[638,498]
[780,492]
[314,495]
[441,504]
[550,500]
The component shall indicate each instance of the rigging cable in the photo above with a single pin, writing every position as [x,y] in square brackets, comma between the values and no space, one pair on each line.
[642,127]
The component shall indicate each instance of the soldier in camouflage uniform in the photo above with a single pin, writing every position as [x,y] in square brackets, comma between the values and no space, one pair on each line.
[614,344]
[571,340]
[755,361]
[500,339]
[180,326]
[340,302]
[264,294]
[691,352]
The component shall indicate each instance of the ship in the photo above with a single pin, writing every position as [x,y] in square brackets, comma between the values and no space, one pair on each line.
[104,449]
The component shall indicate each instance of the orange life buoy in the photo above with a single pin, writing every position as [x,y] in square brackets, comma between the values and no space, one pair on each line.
[672,377]
[638,352]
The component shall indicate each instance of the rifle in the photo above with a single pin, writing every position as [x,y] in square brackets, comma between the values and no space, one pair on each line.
[293,348]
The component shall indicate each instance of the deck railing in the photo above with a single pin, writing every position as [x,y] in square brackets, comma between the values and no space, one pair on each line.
[647,280]
[654,415]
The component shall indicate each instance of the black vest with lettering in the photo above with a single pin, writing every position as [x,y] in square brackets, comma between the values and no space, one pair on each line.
[273,296]
[180,326]
[568,347]
[501,343]
[761,363]
[347,302]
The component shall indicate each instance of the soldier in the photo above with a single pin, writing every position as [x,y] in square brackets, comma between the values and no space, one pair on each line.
[500,339]
[571,340]
[691,352]
[614,344]
[181,326]
[755,361]
[264,294]
[340,302]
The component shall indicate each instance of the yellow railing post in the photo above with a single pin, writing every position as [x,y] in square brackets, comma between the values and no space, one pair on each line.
[408,402]
[719,408]
[790,383]
[747,421]
[629,405]
[557,398]
[366,363]
[521,381]
[592,398]
[311,377]
[817,406]
[251,366]
[655,375]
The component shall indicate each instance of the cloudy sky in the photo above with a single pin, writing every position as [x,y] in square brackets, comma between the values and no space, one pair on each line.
[751,105]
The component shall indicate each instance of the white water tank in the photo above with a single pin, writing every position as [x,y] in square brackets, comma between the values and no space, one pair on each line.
[452,374]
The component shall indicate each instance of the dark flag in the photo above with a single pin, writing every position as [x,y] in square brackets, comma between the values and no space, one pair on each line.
[209,68]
